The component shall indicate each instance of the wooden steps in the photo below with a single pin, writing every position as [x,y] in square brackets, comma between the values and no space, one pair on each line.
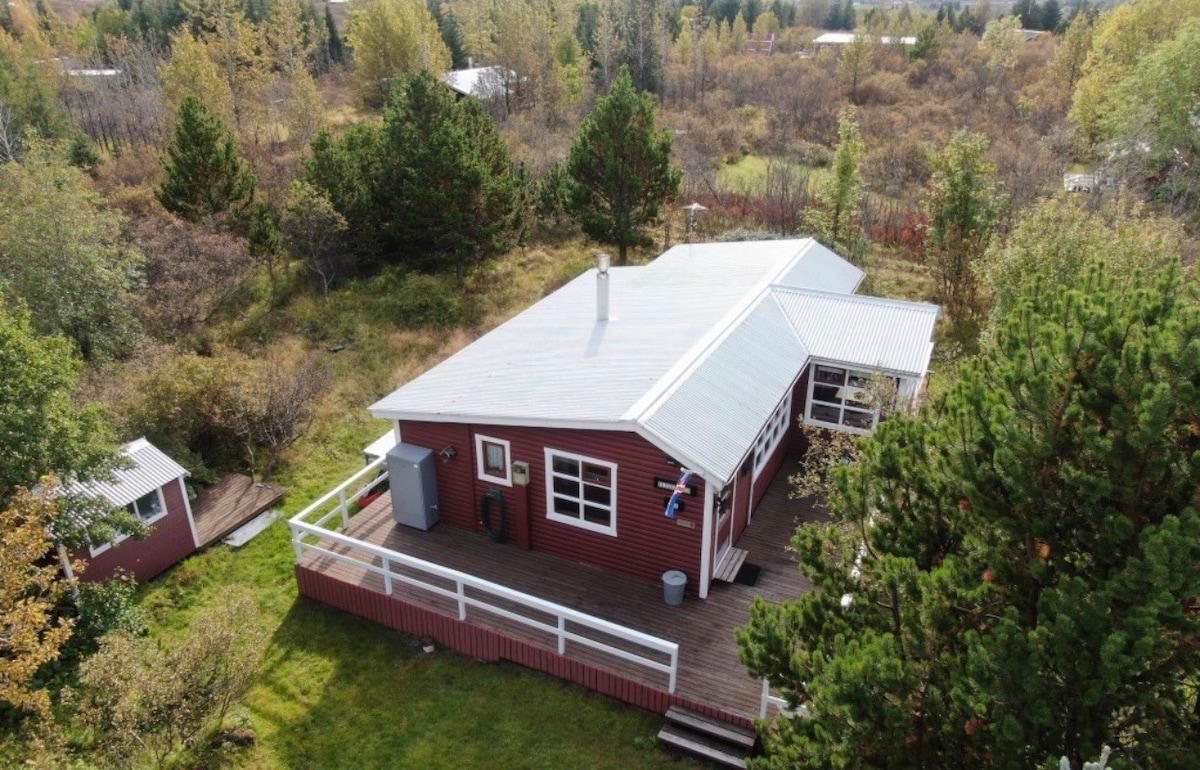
[728,568]
[707,738]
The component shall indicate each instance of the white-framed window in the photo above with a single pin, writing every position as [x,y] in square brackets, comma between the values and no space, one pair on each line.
[839,398]
[493,460]
[772,434]
[150,507]
[581,491]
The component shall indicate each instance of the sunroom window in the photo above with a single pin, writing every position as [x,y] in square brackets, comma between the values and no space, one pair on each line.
[841,399]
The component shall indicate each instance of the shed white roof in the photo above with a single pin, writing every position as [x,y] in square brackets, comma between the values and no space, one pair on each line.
[846,38]
[480,82]
[151,469]
[699,331]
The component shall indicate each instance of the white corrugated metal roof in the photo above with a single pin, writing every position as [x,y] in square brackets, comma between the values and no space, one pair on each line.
[151,469]
[480,82]
[554,363]
[871,332]
[719,407]
[698,350]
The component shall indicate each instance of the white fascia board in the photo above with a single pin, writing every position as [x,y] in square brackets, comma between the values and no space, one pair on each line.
[862,366]
[670,381]
[487,419]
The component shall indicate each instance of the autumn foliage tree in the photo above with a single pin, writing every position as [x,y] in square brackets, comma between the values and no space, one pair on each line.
[31,585]
[963,206]
[1012,575]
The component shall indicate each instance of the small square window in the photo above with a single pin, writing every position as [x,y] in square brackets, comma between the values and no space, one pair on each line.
[492,460]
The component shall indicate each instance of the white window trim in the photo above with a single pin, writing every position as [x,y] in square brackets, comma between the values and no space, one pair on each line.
[578,521]
[771,436]
[812,382]
[481,458]
[96,550]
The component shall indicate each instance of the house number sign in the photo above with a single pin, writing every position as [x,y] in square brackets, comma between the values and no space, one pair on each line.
[669,485]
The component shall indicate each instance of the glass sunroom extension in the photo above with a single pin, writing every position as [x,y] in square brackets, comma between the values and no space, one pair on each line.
[840,398]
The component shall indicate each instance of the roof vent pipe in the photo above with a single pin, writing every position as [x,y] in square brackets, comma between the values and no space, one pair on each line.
[602,263]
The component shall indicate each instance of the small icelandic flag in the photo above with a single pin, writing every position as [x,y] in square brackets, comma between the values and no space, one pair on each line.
[681,488]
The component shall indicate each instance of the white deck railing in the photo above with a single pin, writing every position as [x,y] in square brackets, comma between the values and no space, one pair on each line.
[316,536]
[781,704]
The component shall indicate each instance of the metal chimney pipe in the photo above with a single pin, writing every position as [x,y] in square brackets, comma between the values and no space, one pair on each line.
[602,263]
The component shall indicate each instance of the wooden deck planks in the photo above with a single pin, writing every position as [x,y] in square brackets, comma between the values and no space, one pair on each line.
[230,503]
[709,670]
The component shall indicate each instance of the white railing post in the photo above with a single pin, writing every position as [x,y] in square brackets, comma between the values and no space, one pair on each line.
[342,505]
[562,635]
[387,575]
[674,671]
[462,599]
[298,543]
[766,693]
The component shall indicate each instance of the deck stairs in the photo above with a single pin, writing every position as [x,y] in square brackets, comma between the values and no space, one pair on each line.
[718,742]
[732,562]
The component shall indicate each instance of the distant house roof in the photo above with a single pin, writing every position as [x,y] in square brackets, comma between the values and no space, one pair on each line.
[706,329]
[479,82]
[151,469]
[845,38]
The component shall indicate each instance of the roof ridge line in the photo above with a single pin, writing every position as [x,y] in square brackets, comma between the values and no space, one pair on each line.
[707,344]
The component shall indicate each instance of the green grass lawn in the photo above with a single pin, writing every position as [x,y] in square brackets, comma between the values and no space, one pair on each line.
[336,691]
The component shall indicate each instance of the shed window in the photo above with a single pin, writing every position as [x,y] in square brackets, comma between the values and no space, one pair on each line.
[492,458]
[149,508]
[581,491]
[839,398]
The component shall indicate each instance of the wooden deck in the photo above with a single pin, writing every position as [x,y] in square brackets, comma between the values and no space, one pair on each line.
[229,504]
[709,671]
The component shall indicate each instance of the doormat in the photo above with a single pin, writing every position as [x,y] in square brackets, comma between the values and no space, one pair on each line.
[748,574]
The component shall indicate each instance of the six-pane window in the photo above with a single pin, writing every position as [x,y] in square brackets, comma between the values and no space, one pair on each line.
[581,491]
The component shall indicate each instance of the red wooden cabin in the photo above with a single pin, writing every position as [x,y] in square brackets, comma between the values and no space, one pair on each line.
[583,413]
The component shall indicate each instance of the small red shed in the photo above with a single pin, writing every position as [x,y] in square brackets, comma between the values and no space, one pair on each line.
[152,489]
[634,418]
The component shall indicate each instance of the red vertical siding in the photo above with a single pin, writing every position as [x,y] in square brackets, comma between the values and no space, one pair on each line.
[457,505]
[646,544]
[741,502]
[169,543]
[796,440]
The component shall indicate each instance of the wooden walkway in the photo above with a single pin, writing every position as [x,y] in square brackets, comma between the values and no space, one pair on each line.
[229,504]
[709,670]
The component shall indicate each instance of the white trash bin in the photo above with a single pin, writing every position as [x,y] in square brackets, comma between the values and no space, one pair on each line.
[674,583]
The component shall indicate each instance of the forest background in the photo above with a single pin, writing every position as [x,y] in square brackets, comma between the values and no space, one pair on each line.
[279,294]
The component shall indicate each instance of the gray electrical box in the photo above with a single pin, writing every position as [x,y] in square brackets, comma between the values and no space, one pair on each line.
[412,477]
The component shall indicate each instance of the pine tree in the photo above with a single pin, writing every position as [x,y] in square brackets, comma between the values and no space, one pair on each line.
[452,196]
[1011,577]
[206,177]
[334,45]
[620,166]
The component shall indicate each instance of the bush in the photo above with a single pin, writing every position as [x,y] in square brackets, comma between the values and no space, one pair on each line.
[418,299]
[812,154]
[104,607]
[135,692]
